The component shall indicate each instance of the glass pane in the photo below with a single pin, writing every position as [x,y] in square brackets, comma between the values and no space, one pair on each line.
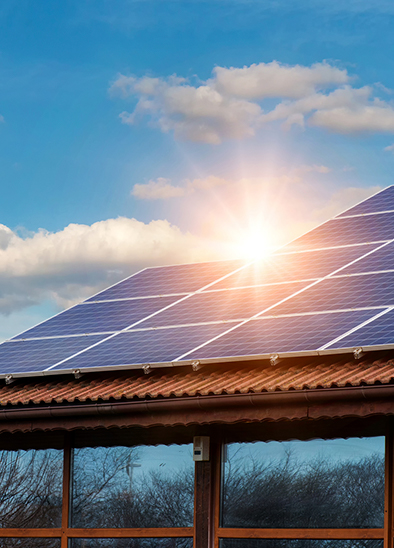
[144,486]
[31,488]
[299,543]
[316,483]
[30,542]
[132,543]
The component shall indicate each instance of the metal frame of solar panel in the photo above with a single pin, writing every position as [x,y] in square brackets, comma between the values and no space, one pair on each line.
[329,291]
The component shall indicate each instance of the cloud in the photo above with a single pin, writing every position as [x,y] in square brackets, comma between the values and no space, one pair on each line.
[390,148]
[2,120]
[277,80]
[365,118]
[193,113]
[162,189]
[230,104]
[71,264]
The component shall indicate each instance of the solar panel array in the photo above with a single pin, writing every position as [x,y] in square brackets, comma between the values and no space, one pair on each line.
[331,289]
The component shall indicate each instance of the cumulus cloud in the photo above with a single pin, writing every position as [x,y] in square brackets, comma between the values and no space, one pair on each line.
[159,189]
[162,189]
[277,80]
[194,113]
[230,104]
[71,264]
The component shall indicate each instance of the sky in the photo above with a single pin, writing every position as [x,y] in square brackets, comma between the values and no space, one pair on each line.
[136,133]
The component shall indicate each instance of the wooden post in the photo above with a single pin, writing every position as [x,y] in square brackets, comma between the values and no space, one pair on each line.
[206,509]
[66,491]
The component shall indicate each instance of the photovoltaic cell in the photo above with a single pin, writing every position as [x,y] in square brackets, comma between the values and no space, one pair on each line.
[212,306]
[380,331]
[294,266]
[141,347]
[383,259]
[384,201]
[282,334]
[98,317]
[347,231]
[167,280]
[38,355]
[341,293]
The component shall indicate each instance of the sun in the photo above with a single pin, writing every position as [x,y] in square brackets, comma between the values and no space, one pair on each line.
[254,243]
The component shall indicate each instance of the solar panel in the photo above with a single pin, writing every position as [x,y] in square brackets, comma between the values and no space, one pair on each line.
[348,231]
[285,334]
[382,201]
[378,332]
[224,305]
[343,292]
[287,267]
[26,356]
[332,288]
[168,280]
[99,317]
[143,347]
[382,259]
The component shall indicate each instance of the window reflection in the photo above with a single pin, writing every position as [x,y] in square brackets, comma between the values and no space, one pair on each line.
[316,483]
[144,486]
[31,489]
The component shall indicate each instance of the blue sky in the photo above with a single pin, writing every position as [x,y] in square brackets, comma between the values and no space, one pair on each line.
[136,133]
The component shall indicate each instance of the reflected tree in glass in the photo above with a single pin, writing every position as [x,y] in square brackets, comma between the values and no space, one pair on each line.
[31,488]
[133,487]
[338,483]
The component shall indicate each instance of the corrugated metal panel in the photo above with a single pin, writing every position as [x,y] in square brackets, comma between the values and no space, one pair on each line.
[300,374]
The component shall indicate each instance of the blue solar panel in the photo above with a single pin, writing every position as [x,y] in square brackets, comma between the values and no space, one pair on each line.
[141,347]
[167,280]
[384,201]
[282,334]
[98,317]
[383,259]
[38,355]
[212,306]
[294,266]
[348,231]
[379,331]
[342,293]
[255,289]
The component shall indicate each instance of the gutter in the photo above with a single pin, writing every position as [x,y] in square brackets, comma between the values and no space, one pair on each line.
[308,397]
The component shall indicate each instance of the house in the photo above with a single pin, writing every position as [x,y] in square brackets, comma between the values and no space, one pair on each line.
[228,404]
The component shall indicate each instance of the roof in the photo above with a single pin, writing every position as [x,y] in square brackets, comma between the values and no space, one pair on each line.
[289,375]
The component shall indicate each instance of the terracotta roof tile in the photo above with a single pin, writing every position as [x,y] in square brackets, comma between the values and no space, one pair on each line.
[296,374]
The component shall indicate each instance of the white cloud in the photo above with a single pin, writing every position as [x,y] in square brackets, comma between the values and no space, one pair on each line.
[2,121]
[230,104]
[365,118]
[277,80]
[390,148]
[193,113]
[77,261]
[162,189]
